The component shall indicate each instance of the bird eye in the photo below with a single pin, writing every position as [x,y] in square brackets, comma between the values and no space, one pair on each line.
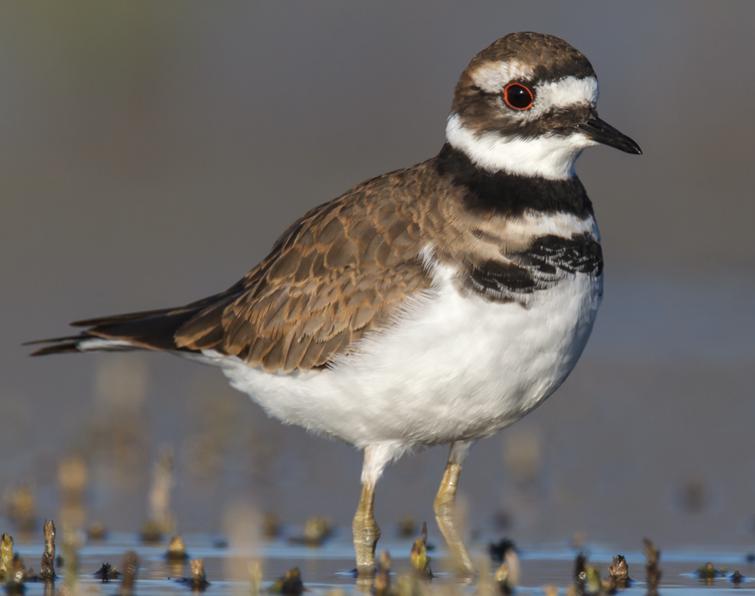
[518,96]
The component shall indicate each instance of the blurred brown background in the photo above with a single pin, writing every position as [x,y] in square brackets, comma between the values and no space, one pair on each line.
[151,152]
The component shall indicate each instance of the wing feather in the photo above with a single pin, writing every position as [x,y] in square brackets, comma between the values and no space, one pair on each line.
[343,269]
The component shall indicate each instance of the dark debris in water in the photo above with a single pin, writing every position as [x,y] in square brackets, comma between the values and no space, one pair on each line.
[107,573]
[14,581]
[197,581]
[587,578]
[589,581]
[47,562]
[580,561]
[708,573]
[498,550]
[6,556]
[198,575]
[418,557]
[290,583]
[618,574]
[652,566]
[176,550]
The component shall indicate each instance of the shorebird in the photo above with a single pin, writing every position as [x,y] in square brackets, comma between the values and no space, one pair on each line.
[432,305]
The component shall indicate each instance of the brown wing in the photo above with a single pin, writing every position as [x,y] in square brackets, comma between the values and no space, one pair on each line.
[342,270]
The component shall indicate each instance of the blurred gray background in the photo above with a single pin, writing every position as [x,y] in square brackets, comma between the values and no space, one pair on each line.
[151,152]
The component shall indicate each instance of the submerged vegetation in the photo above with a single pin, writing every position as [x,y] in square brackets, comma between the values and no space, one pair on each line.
[500,572]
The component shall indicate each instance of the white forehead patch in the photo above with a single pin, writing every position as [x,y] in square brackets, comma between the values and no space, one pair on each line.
[491,77]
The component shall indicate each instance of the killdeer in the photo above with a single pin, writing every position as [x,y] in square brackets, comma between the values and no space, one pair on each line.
[432,305]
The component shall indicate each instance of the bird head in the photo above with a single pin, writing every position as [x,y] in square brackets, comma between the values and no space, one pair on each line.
[526,105]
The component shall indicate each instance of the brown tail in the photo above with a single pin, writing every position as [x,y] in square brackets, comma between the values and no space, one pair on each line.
[145,330]
[148,330]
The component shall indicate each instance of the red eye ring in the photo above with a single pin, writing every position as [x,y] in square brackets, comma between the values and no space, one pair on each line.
[518,96]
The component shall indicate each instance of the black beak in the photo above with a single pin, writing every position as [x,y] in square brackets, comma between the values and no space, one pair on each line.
[602,132]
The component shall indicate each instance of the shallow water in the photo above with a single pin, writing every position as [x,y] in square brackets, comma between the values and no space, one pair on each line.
[329,567]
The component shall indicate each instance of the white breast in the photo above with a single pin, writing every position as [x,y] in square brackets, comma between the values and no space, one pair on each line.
[453,366]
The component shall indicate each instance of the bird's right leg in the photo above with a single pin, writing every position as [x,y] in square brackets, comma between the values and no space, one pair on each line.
[365,528]
[445,509]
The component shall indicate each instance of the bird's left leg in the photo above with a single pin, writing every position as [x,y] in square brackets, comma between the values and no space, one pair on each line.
[366,531]
[365,528]
[445,509]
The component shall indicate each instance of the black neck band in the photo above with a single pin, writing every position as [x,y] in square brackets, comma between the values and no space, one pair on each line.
[509,194]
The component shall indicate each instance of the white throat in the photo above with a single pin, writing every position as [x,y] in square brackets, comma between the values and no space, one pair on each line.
[549,156]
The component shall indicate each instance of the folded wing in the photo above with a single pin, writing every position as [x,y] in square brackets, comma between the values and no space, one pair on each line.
[342,270]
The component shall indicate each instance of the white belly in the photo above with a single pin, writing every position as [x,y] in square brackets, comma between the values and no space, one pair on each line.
[454,366]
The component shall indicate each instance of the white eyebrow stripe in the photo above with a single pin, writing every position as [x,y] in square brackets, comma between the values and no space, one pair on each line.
[566,92]
[561,94]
